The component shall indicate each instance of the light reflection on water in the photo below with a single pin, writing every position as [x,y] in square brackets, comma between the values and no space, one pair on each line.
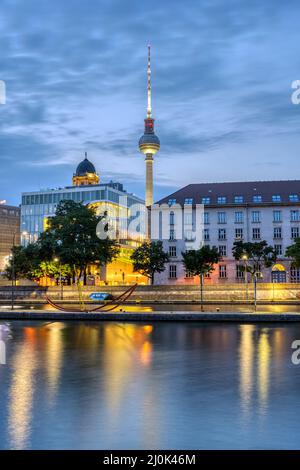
[165,385]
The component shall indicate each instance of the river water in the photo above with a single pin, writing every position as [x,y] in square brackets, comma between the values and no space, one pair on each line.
[81,385]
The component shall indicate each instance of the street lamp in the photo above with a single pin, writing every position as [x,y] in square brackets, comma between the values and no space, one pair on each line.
[245,259]
[13,270]
[57,260]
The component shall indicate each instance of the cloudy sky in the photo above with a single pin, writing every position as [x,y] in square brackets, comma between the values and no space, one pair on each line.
[75,73]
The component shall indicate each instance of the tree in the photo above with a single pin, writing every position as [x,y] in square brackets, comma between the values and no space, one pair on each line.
[256,255]
[149,258]
[201,262]
[71,236]
[23,262]
[293,252]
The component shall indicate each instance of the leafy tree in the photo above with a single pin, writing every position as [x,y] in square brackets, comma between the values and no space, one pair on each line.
[201,262]
[293,252]
[149,258]
[256,255]
[23,261]
[71,236]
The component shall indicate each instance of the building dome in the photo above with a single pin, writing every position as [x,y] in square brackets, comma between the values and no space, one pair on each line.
[85,173]
[85,167]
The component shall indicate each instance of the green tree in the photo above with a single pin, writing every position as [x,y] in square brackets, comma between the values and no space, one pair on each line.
[201,262]
[255,255]
[71,236]
[23,262]
[293,252]
[149,258]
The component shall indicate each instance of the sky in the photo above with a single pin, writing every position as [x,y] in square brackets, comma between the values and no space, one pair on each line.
[75,75]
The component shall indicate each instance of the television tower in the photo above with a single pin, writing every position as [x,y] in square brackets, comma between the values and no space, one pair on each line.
[149,142]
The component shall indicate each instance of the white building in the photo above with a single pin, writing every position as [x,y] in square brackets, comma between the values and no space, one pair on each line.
[248,211]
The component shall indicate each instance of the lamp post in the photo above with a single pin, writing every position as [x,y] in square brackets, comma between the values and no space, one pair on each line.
[57,260]
[245,259]
[13,270]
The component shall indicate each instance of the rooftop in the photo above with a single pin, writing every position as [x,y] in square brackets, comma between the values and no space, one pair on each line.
[244,192]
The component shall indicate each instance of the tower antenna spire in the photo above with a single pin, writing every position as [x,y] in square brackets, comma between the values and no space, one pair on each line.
[149,109]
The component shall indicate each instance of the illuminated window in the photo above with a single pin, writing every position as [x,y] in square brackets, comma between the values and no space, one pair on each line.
[222,200]
[294,197]
[188,200]
[221,217]
[239,217]
[206,200]
[276,216]
[255,216]
[276,198]
[257,198]
[238,199]
[171,202]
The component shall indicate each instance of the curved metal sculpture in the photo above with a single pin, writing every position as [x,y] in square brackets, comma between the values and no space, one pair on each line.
[105,307]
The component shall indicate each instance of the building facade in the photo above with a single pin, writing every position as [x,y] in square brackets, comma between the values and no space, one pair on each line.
[247,211]
[107,198]
[9,232]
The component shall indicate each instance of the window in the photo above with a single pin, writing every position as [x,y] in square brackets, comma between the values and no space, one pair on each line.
[188,200]
[295,216]
[222,234]
[255,216]
[238,233]
[172,271]
[222,250]
[238,199]
[277,232]
[222,200]
[256,233]
[257,198]
[206,200]
[276,198]
[206,217]
[222,271]
[172,218]
[294,232]
[171,202]
[172,234]
[221,217]
[172,251]
[276,216]
[188,218]
[295,274]
[278,249]
[206,234]
[294,197]
[239,217]
[189,235]
[239,271]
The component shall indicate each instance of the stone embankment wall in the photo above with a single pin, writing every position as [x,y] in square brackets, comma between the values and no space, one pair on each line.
[229,292]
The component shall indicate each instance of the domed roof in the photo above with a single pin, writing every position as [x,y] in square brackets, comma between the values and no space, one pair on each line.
[85,167]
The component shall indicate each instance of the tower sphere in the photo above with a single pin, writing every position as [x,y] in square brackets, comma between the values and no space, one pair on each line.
[149,144]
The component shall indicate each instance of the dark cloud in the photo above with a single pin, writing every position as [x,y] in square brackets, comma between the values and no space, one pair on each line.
[75,76]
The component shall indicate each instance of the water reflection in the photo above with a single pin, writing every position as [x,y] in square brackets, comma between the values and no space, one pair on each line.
[126,385]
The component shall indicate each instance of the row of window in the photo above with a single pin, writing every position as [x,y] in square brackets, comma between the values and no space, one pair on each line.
[239,234]
[255,217]
[239,199]
[256,233]
[239,272]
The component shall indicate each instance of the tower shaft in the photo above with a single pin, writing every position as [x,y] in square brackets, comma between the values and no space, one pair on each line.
[149,179]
